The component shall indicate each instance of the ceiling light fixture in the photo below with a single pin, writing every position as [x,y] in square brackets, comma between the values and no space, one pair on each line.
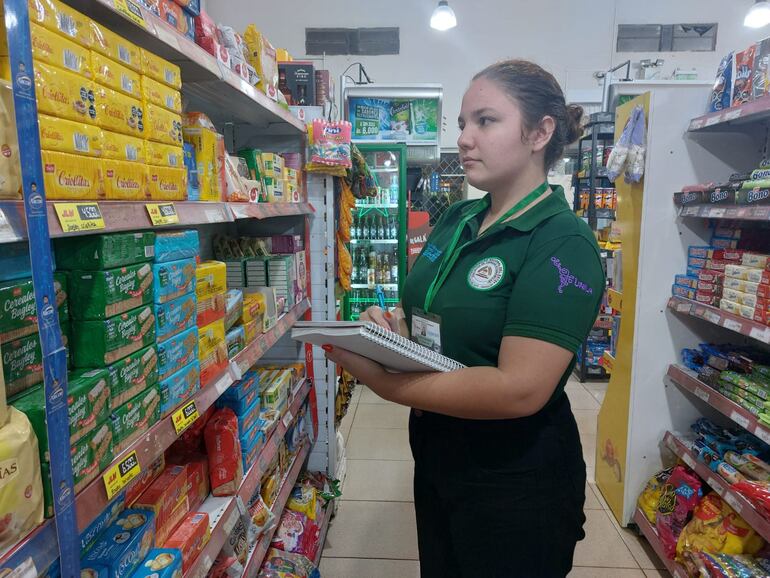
[758,15]
[444,18]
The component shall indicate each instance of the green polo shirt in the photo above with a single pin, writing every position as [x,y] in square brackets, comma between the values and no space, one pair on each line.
[539,275]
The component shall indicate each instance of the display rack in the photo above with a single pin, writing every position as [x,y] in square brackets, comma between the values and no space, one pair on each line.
[744,213]
[735,323]
[751,113]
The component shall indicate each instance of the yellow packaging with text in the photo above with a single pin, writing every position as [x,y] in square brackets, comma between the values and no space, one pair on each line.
[54,49]
[10,165]
[159,94]
[164,155]
[109,73]
[122,147]
[167,184]
[64,94]
[210,336]
[163,125]
[113,46]
[160,69]
[61,19]
[68,136]
[119,113]
[72,177]
[210,279]
[5,68]
[205,143]
[273,165]
[125,181]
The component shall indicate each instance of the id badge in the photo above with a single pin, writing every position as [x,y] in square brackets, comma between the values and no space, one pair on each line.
[426,329]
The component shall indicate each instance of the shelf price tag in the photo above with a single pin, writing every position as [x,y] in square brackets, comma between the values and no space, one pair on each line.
[184,416]
[702,393]
[76,217]
[162,214]
[732,325]
[119,475]
[741,420]
[733,501]
[287,419]
[130,9]
[762,433]
[760,334]
[712,317]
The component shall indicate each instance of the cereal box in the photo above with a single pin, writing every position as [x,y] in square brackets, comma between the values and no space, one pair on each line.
[159,94]
[56,50]
[109,73]
[161,70]
[190,537]
[167,184]
[173,279]
[100,343]
[119,113]
[67,136]
[124,545]
[109,44]
[130,420]
[164,155]
[125,180]
[177,352]
[62,19]
[18,314]
[123,147]
[72,177]
[99,252]
[179,387]
[175,316]
[102,294]
[66,95]
[160,563]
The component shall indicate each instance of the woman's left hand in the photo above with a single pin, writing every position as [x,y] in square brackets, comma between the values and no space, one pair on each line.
[368,372]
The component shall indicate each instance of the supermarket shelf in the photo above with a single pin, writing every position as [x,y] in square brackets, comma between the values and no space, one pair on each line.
[730,212]
[615,299]
[385,286]
[257,553]
[206,83]
[223,512]
[717,483]
[649,532]
[724,319]
[269,210]
[729,119]
[325,523]
[246,358]
[374,206]
[688,380]
[608,362]
[374,241]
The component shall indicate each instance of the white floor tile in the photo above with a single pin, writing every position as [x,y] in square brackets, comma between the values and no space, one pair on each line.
[380,415]
[579,397]
[368,568]
[586,421]
[602,546]
[378,444]
[386,481]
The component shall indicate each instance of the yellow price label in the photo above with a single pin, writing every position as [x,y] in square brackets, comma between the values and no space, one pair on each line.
[132,10]
[184,417]
[119,475]
[162,213]
[75,217]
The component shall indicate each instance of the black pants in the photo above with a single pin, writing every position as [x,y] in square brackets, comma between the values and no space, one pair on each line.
[499,499]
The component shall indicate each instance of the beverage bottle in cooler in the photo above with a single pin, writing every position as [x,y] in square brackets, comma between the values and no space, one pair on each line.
[394,189]
[386,269]
[354,227]
[371,271]
[362,266]
[394,267]
[393,227]
[380,227]
[354,269]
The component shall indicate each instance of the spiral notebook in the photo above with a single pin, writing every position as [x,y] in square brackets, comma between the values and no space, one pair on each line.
[393,351]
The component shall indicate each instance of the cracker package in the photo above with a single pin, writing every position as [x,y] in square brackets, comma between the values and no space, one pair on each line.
[175,316]
[18,314]
[211,279]
[744,72]
[61,19]
[211,309]
[130,420]
[127,181]
[72,177]
[52,48]
[106,42]
[101,343]
[173,279]
[103,294]
[261,55]
[123,147]
[132,375]
[190,537]
[165,494]
[163,125]
[145,479]
[161,70]
[224,450]
[122,547]
[104,520]
[160,563]
[167,184]
[159,94]
[67,136]
[91,455]
[204,141]
[10,165]
[176,245]
[164,155]
[99,252]
[120,113]
[64,94]
[721,94]
[23,361]
[177,352]
[109,73]
[179,387]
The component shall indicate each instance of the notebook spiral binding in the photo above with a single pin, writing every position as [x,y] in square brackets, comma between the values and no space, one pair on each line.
[409,348]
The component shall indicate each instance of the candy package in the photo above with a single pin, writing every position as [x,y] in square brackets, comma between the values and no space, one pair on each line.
[280,564]
[331,143]
[721,94]
[679,497]
[758,493]
[744,70]
[303,500]
[297,534]
[650,496]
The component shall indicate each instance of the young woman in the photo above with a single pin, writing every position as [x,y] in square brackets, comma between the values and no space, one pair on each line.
[511,285]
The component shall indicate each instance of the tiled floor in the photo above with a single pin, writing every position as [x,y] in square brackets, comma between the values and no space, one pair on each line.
[373,534]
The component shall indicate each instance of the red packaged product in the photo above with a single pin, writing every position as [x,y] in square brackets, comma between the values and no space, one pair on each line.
[744,71]
[172,521]
[204,26]
[144,480]
[709,288]
[190,537]
[197,476]
[707,298]
[172,13]
[718,264]
[758,493]
[224,450]
[732,255]
[709,276]
[191,440]
[165,494]
[298,534]
[679,497]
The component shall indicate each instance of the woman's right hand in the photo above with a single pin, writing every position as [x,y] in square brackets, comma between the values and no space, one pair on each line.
[382,318]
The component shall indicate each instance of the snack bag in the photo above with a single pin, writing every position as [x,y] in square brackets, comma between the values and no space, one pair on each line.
[10,167]
[303,501]
[223,447]
[721,93]
[261,516]
[297,534]
[758,493]
[679,497]
[331,143]
[744,71]
[650,496]
[288,564]
[760,78]
[261,55]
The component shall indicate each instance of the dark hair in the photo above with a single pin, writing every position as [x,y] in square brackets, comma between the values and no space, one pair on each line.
[538,94]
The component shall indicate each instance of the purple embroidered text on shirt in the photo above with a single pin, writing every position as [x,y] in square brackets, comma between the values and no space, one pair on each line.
[567,278]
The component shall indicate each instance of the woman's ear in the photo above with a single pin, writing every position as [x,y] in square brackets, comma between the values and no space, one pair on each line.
[540,137]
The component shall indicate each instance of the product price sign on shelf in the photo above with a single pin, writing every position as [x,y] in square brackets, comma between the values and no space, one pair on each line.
[184,417]
[162,214]
[119,475]
[740,419]
[762,433]
[702,393]
[732,325]
[132,10]
[77,217]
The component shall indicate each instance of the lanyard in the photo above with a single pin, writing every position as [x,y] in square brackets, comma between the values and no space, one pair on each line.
[452,252]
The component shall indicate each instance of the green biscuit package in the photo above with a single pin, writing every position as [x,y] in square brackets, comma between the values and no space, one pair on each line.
[131,420]
[23,362]
[91,455]
[103,294]
[18,315]
[45,473]
[99,252]
[755,385]
[132,375]
[102,343]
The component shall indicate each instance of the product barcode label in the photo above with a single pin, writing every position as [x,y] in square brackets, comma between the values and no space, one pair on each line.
[702,393]
[740,419]
[132,153]
[732,324]
[712,316]
[732,114]
[762,434]
[71,60]
[733,501]
[688,459]
[713,120]
[124,54]
[126,83]
[716,486]
[762,334]
[81,142]
[66,24]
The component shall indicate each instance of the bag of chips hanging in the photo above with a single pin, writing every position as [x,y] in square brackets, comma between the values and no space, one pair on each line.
[650,496]
[679,497]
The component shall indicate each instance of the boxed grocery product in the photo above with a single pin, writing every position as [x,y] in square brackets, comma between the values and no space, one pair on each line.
[67,136]
[243,388]
[145,479]
[125,180]
[23,361]
[160,563]
[236,341]
[748,274]
[276,395]
[123,147]
[18,315]
[120,113]
[109,73]
[300,80]
[211,309]
[159,94]
[282,276]
[123,546]
[191,6]
[163,125]
[176,245]
[132,375]
[224,450]
[198,487]
[62,19]
[233,307]
[167,184]
[703,252]
[99,252]
[164,155]
[100,343]
[173,279]
[723,243]
[252,330]
[204,140]
[130,420]
[273,165]
[749,299]
[177,515]
[91,455]
[161,70]
[56,50]
[177,352]
[172,13]
[103,294]
[210,337]
[175,316]
[107,517]
[213,351]
[211,279]
[72,177]
[757,289]
[117,48]
[179,387]
[165,494]
[64,94]
[256,440]
[744,67]
[190,537]
[708,276]
[254,306]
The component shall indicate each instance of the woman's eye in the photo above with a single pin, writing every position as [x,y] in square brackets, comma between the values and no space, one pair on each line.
[485,120]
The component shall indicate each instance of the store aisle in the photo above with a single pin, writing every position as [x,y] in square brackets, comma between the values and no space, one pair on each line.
[373,535]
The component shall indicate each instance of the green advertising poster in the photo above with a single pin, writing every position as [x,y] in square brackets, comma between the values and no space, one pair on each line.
[399,120]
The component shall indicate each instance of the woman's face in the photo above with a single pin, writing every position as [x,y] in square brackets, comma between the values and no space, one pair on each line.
[492,150]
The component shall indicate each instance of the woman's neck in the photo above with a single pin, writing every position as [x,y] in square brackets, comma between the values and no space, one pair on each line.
[503,200]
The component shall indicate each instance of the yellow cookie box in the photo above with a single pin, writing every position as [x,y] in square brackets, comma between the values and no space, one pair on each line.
[209,336]
[125,181]
[116,47]
[10,166]
[210,279]
[67,136]
[163,125]
[205,143]
[119,113]
[72,177]
[164,155]
[61,19]
[167,184]
[157,93]
[122,147]
[109,73]
[64,94]
[160,69]
[54,49]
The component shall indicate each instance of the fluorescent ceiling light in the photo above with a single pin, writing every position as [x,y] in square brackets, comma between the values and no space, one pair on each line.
[759,15]
[444,18]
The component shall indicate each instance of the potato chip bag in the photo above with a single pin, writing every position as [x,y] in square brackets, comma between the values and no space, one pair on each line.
[679,497]
[650,496]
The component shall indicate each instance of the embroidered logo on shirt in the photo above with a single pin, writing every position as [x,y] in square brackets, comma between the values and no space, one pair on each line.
[486,274]
[567,278]
[431,252]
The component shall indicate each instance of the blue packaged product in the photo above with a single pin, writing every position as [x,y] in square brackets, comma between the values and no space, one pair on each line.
[176,245]
[250,437]
[721,93]
[173,279]
[724,242]
[250,456]
[15,263]
[161,563]
[682,291]
[191,6]
[193,187]
[701,252]
[696,262]
[244,387]
[105,519]
[123,546]
[242,404]
[175,316]
[179,387]
[247,420]
[177,352]
[686,281]
[693,271]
